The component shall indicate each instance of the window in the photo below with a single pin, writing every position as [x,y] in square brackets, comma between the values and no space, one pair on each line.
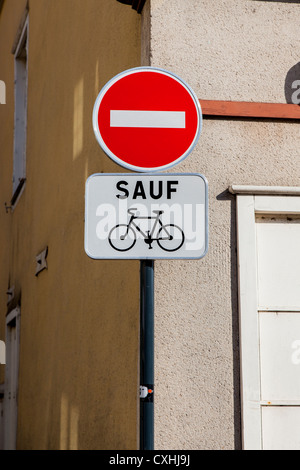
[19,163]
[1,417]
[11,379]
[269,304]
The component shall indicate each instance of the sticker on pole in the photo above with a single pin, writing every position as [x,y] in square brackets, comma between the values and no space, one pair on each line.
[157,216]
[147,119]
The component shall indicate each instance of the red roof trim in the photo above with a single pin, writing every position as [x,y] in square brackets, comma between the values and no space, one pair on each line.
[250,109]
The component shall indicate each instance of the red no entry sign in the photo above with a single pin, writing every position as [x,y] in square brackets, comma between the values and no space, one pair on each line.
[147,119]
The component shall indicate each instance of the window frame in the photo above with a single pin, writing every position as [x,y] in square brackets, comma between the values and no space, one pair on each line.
[252,201]
[11,378]
[20,115]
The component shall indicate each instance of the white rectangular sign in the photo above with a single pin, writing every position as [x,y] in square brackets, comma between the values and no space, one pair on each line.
[159,119]
[148,216]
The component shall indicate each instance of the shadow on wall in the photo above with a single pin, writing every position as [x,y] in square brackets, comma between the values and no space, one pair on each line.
[292,85]
[222,197]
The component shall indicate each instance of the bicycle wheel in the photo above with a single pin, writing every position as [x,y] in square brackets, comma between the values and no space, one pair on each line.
[121,237]
[170,237]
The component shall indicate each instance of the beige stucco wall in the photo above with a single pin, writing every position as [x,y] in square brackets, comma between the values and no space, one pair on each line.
[225,50]
[78,381]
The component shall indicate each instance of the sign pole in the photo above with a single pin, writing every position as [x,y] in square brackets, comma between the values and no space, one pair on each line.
[146,119]
[147,355]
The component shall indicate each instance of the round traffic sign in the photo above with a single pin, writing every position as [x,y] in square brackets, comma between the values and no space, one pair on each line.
[147,119]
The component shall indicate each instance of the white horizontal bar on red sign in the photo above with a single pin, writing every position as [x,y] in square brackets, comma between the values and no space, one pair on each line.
[158,119]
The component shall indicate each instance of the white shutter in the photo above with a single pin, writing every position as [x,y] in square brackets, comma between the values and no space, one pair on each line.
[269,305]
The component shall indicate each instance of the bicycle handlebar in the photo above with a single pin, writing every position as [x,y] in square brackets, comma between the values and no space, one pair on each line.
[130,211]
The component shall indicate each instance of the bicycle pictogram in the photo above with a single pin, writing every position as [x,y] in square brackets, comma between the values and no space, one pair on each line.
[123,237]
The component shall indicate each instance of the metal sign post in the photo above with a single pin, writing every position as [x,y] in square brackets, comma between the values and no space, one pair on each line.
[147,355]
[146,217]
[147,120]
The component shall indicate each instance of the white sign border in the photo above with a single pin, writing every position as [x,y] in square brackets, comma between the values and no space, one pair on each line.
[149,257]
[125,73]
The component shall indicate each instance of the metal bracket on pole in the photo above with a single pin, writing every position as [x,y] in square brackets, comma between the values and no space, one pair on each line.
[147,355]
